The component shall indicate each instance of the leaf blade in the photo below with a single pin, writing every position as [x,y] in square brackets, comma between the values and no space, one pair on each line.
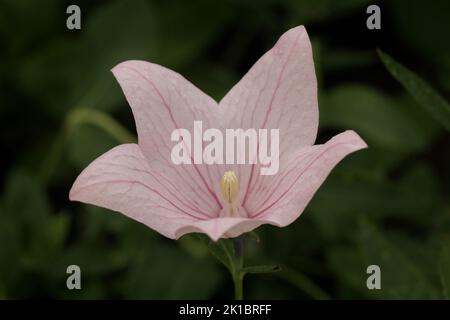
[420,90]
[261,269]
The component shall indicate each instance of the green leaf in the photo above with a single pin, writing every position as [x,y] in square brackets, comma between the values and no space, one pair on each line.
[444,268]
[261,269]
[421,91]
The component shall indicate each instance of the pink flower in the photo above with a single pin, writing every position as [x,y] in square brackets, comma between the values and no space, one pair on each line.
[141,181]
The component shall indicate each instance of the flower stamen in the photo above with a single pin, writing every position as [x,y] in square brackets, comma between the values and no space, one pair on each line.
[230,190]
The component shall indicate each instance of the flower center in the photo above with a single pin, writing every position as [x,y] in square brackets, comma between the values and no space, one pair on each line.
[230,190]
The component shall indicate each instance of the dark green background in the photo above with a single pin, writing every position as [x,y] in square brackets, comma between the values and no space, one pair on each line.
[387,205]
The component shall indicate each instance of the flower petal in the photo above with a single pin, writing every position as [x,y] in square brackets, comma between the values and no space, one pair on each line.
[221,227]
[281,198]
[121,180]
[162,101]
[279,92]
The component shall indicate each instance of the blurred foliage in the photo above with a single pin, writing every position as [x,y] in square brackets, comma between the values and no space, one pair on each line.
[388,205]
[419,89]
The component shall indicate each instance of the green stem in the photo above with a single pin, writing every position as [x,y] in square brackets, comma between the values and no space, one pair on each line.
[74,119]
[238,278]
[231,254]
[303,283]
[100,120]
[238,275]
